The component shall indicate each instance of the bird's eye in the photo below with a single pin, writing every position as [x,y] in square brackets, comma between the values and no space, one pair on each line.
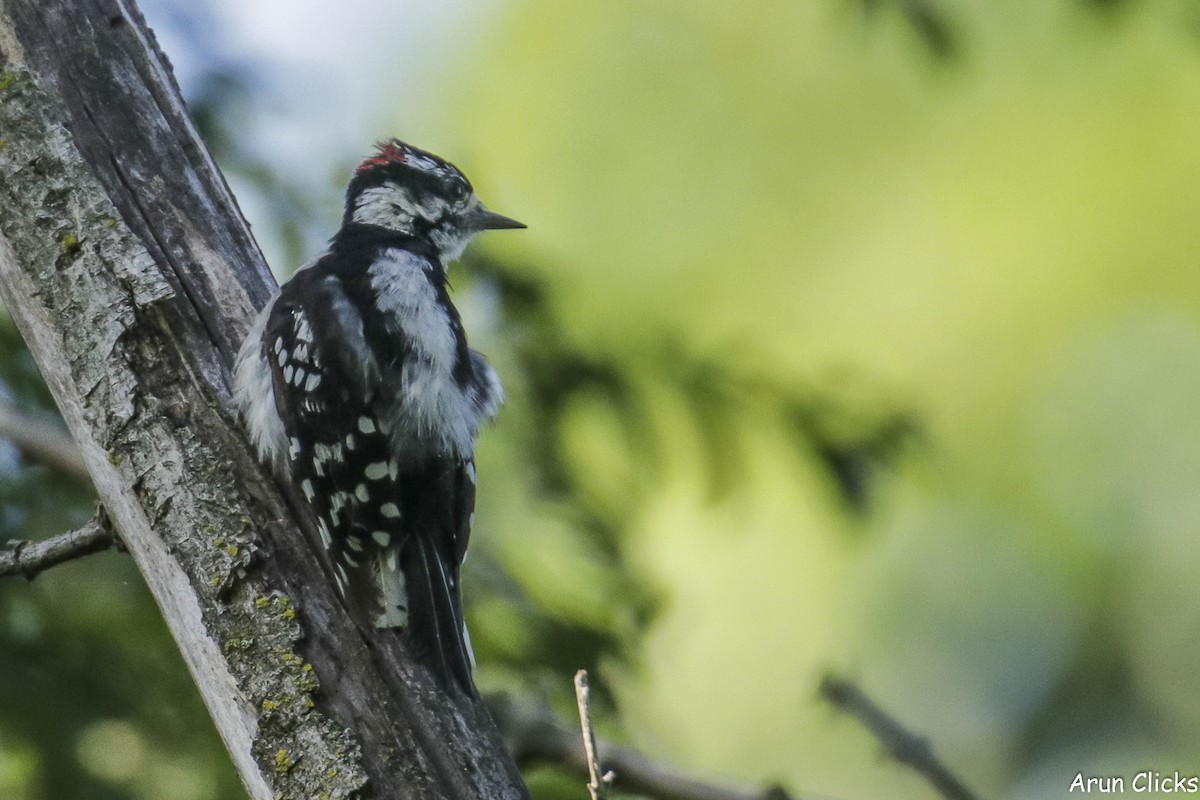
[460,192]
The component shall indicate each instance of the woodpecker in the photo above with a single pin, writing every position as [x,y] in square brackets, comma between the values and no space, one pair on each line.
[356,383]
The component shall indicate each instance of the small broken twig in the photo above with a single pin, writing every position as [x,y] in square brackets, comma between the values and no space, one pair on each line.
[536,735]
[31,558]
[597,783]
[902,745]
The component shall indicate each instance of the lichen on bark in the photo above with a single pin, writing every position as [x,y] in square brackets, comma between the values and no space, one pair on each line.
[118,315]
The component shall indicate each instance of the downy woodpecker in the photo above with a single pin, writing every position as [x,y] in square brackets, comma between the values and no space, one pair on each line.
[356,383]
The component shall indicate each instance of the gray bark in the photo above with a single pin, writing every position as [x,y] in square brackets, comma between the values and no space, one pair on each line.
[132,276]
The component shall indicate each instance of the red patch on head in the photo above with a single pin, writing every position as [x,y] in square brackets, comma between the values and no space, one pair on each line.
[389,153]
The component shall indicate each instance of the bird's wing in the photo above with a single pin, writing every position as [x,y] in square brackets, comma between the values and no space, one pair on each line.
[395,533]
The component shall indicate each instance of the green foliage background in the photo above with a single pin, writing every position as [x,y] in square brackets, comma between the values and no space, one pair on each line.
[860,337]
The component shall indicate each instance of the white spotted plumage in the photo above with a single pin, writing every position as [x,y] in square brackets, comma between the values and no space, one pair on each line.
[356,383]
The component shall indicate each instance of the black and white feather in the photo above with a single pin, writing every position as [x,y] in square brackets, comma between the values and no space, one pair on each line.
[357,384]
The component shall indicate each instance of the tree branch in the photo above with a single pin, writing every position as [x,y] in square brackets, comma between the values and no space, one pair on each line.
[905,747]
[536,735]
[31,558]
[42,442]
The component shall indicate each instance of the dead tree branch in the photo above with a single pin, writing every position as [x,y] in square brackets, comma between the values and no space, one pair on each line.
[130,273]
[31,558]
[905,747]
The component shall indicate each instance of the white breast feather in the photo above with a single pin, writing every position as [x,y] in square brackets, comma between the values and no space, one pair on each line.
[431,403]
[405,291]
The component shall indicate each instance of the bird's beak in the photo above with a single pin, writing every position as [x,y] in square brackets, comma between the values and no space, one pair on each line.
[484,220]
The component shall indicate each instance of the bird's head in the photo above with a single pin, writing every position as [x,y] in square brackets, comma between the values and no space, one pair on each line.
[415,193]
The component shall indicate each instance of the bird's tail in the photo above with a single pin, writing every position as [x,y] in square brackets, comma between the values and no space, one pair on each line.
[435,618]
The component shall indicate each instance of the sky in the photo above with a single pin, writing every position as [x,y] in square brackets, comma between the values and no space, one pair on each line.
[323,71]
[326,80]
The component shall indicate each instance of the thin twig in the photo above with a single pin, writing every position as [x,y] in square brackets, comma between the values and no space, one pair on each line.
[598,782]
[537,735]
[42,441]
[31,558]
[904,746]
